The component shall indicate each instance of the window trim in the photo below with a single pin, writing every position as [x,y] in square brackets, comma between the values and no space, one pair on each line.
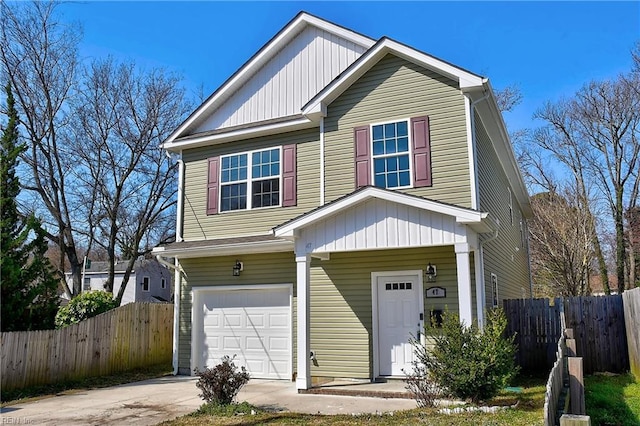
[148,281]
[249,180]
[494,291]
[409,152]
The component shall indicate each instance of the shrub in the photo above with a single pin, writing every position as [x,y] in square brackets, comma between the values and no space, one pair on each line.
[423,388]
[221,383]
[469,363]
[85,305]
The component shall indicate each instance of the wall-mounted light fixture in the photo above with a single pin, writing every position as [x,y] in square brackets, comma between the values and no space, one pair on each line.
[237,268]
[431,273]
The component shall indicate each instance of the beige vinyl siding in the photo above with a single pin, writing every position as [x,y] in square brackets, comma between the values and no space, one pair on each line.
[273,268]
[341,303]
[505,256]
[199,226]
[396,89]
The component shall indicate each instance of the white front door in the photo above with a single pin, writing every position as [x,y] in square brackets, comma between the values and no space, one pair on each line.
[399,319]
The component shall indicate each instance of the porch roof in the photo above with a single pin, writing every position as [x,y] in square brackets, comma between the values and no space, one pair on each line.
[375,218]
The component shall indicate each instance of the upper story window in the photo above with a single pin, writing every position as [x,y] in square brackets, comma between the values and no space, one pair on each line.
[395,154]
[252,179]
[145,283]
[390,154]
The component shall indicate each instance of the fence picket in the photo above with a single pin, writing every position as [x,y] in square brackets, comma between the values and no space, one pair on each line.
[598,324]
[106,344]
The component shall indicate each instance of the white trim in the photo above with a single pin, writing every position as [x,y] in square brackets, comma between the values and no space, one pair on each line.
[176,314]
[303,278]
[180,205]
[196,294]
[494,291]
[409,152]
[249,180]
[246,133]
[148,284]
[322,177]
[374,310]
[462,215]
[226,249]
[262,56]
[465,79]
[471,149]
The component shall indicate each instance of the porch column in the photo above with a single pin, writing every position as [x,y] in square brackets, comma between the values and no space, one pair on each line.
[465,305]
[303,378]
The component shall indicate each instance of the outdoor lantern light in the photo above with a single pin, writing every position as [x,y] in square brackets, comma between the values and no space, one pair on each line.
[237,268]
[431,273]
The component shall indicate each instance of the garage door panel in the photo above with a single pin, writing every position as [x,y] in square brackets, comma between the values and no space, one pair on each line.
[254,325]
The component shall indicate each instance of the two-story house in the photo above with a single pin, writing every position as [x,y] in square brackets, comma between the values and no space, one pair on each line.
[335,193]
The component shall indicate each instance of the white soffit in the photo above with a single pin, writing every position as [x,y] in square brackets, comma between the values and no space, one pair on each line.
[345,44]
[384,46]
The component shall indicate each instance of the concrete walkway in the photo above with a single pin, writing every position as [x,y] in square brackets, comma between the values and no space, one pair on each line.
[152,401]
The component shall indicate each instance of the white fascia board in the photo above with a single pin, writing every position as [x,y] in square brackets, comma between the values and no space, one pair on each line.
[462,215]
[262,57]
[466,79]
[496,128]
[248,133]
[225,250]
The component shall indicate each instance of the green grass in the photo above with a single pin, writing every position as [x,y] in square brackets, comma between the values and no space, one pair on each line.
[612,400]
[528,412]
[24,395]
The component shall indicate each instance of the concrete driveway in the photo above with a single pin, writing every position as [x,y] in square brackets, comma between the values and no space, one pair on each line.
[152,401]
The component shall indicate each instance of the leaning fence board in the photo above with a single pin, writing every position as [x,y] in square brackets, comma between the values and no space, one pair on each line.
[631,301]
[118,340]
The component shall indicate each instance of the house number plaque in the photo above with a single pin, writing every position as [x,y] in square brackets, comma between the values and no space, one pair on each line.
[436,292]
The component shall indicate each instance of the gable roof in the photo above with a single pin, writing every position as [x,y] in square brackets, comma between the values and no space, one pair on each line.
[384,46]
[479,221]
[257,61]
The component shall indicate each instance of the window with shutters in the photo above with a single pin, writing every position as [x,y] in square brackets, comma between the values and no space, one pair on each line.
[394,154]
[252,180]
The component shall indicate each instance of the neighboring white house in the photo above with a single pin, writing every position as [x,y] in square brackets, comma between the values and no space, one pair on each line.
[149,281]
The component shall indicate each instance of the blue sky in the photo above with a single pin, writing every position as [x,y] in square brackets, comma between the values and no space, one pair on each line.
[548,49]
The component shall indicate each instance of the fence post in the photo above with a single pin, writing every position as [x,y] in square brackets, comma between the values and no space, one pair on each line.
[576,386]
[571,348]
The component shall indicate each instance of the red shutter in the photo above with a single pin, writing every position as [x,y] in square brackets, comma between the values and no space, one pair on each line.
[421,144]
[212,186]
[289,185]
[362,156]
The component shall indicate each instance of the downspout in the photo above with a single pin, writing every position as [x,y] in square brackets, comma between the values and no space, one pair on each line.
[180,199]
[475,204]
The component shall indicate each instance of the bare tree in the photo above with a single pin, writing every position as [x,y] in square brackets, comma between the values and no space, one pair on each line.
[94,135]
[562,244]
[120,119]
[39,58]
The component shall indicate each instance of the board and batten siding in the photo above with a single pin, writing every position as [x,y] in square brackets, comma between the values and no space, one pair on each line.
[200,226]
[272,268]
[288,81]
[506,256]
[396,89]
[341,303]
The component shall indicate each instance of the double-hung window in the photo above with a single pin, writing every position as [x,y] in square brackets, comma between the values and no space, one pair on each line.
[395,154]
[390,155]
[250,180]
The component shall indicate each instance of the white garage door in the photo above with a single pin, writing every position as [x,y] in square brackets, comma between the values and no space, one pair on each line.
[253,324]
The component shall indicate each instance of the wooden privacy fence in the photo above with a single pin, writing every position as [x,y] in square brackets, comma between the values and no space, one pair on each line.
[131,336]
[631,302]
[598,323]
[537,329]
